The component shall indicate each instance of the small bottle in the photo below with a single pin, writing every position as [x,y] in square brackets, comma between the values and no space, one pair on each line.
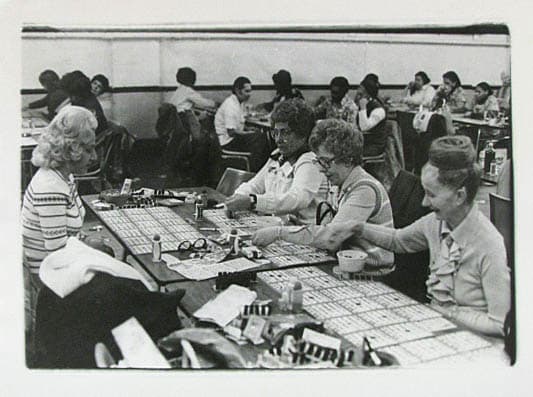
[199,206]
[234,242]
[284,300]
[297,297]
[490,156]
[156,248]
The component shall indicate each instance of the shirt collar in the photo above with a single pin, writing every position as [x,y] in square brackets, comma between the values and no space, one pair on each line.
[466,230]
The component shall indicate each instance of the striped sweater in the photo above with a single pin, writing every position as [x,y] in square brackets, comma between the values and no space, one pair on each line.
[51,212]
[361,197]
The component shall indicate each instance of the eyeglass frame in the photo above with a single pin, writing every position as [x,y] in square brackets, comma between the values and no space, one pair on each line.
[277,133]
[188,245]
[319,161]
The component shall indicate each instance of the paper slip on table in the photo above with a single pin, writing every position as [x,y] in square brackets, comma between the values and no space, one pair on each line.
[134,228]
[415,334]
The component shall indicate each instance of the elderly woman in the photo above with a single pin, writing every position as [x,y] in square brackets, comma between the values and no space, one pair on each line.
[102,91]
[451,92]
[419,92]
[290,182]
[339,147]
[484,100]
[469,280]
[52,210]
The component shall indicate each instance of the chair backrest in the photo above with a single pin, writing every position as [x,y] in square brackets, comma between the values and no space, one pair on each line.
[189,358]
[501,215]
[103,357]
[406,195]
[231,179]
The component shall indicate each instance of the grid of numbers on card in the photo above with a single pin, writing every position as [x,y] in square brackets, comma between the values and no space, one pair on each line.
[428,349]
[360,305]
[394,299]
[405,332]
[348,324]
[370,288]
[375,336]
[323,311]
[463,341]
[379,318]
[313,297]
[416,312]
[341,293]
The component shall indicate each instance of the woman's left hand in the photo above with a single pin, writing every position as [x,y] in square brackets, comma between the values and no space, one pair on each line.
[238,202]
[266,235]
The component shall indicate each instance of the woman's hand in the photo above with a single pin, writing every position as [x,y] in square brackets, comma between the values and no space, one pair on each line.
[266,235]
[238,202]
[341,231]
[362,103]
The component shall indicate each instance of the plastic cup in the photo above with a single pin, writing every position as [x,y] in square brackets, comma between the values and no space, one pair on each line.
[352,261]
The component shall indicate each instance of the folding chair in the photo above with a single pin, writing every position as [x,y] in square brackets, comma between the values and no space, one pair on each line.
[501,215]
[231,179]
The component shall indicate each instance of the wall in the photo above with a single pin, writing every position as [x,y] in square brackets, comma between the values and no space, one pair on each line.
[142,66]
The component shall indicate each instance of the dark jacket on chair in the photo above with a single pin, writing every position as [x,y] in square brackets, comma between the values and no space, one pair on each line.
[68,329]
[412,270]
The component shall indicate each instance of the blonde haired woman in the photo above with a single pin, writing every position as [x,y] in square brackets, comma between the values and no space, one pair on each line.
[52,210]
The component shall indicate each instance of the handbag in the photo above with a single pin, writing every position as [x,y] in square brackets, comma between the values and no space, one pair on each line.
[421,120]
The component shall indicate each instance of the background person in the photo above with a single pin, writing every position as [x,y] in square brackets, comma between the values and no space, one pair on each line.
[339,105]
[484,100]
[102,91]
[419,91]
[451,92]
[230,129]
[55,95]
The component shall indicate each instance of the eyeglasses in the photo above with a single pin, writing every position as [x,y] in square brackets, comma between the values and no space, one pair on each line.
[325,162]
[282,134]
[197,245]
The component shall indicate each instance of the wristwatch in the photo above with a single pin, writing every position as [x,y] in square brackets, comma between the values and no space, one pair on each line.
[253,201]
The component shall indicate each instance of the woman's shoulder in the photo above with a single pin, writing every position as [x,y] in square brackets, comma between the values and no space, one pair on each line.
[47,181]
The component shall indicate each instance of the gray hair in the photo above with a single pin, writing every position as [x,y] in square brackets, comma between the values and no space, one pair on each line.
[62,140]
[340,138]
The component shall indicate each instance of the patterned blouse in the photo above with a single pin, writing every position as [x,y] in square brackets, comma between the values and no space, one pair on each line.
[346,110]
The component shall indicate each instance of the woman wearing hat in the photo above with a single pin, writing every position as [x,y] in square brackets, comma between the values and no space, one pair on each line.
[469,281]
[371,117]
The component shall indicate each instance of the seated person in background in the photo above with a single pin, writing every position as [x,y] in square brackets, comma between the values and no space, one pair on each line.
[340,105]
[186,97]
[284,90]
[52,210]
[419,92]
[484,101]
[469,280]
[290,182]
[78,87]
[102,91]
[55,95]
[504,93]
[371,118]
[339,148]
[229,125]
[451,92]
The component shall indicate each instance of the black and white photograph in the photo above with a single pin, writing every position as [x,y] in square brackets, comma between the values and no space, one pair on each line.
[239,196]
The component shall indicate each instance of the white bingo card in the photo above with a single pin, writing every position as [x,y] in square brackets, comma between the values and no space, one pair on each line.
[346,325]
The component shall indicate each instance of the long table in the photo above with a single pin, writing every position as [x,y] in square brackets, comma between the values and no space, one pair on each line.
[158,272]
[414,333]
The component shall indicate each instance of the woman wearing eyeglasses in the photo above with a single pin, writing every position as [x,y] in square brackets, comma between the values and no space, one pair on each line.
[338,147]
[289,183]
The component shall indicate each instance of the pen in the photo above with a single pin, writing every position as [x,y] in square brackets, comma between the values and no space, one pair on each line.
[372,353]
[220,205]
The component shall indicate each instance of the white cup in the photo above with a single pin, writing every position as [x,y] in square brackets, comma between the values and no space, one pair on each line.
[352,260]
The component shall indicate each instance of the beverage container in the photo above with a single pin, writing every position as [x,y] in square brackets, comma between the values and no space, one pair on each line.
[199,206]
[297,297]
[490,155]
[156,248]
[234,242]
